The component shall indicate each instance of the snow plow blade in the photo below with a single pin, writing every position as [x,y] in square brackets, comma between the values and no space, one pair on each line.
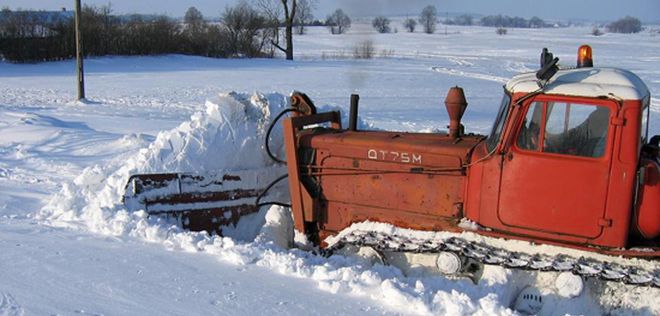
[197,202]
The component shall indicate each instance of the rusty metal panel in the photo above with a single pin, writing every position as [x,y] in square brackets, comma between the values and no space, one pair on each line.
[425,193]
[299,196]
[196,202]
[295,186]
[411,180]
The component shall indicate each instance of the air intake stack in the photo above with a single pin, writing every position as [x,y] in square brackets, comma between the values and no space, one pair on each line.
[456,105]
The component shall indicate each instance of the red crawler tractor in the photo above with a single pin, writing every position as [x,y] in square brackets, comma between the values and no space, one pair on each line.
[568,162]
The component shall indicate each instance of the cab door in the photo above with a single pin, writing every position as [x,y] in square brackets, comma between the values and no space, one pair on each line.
[555,174]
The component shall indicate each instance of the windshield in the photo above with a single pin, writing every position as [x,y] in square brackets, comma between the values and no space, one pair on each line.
[645,121]
[498,126]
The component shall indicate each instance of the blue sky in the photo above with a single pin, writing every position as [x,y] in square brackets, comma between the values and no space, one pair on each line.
[599,10]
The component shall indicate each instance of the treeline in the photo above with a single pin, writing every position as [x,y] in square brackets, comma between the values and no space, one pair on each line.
[29,36]
[498,21]
[516,21]
[626,24]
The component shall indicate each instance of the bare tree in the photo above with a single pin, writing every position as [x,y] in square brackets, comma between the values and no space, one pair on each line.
[381,24]
[98,29]
[243,24]
[272,12]
[194,19]
[196,32]
[429,18]
[338,22]
[304,15]
[289,7]
[536,22]
[5,13]
[410,24]
[364,50]
[286,10]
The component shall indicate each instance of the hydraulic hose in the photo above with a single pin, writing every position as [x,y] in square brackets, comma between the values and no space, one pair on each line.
[258,202]
[270,130]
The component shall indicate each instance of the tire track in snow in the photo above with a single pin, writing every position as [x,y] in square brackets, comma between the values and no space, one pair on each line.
[9,307]
[517,67]
[466,74]
[460,61]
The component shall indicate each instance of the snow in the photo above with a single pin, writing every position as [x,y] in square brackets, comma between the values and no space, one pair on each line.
[569,285]
[47,271]
[590,82]
[70,246]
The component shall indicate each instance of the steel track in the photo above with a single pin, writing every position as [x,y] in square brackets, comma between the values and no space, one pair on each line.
[487,254]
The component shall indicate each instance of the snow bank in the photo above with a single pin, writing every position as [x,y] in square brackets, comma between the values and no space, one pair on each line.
[229,135]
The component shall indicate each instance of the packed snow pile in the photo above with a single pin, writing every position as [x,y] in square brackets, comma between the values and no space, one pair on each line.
[229,136]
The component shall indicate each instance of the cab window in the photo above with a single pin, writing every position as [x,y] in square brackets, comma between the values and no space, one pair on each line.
[531,130]
[498,126]
[568,129]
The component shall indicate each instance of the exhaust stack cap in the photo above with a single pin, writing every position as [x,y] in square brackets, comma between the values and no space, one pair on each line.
[456,105]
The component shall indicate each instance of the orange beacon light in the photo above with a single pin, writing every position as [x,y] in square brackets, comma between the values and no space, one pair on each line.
[584,57]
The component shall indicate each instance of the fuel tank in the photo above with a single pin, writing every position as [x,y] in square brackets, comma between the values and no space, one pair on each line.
[647,221]
[411,180]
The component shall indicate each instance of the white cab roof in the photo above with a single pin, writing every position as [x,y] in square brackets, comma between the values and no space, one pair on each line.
[587,82]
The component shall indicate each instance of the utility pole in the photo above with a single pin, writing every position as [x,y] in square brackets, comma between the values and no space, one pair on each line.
[79,54]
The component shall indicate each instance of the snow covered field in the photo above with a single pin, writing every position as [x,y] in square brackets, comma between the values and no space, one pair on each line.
[68,247]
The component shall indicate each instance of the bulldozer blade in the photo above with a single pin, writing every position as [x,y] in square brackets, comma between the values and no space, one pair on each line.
[197,202]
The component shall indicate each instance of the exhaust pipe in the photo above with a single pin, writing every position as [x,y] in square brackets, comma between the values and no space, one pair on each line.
[352,117]
[456,105]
